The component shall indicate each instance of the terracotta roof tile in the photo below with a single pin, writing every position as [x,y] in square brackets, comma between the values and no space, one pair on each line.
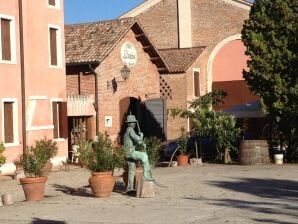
[179,60]
[92,42]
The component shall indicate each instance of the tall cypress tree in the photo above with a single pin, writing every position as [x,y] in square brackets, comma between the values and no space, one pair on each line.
[271,37]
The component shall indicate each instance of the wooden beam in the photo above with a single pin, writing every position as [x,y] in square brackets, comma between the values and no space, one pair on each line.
[139,35]
[146,47]
[155,58]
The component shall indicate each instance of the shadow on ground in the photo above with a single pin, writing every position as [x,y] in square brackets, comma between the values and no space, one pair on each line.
[280,197]
[44,221]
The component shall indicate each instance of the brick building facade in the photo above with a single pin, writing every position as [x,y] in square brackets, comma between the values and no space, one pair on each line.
[94,49]
[186,24]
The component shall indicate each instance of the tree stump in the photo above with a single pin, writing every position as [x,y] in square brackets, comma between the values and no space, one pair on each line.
[145,189]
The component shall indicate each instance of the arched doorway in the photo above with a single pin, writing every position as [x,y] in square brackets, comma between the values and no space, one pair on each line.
[151,115]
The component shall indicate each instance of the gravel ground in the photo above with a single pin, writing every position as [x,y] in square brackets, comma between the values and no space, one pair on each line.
[209,193]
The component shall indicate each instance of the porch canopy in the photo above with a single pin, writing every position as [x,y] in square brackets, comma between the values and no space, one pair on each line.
[247,110]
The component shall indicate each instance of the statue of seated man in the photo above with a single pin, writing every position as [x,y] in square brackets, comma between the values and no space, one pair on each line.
[131,139]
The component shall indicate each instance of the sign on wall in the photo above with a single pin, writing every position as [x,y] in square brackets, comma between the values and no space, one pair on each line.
[108,121]
[129,54]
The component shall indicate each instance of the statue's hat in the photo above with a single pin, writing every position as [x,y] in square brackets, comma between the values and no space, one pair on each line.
[131,119]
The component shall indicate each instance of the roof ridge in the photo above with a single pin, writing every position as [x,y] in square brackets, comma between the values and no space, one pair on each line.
[132,19]
[184,48]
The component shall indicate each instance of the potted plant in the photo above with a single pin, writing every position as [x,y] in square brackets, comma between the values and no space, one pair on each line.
[182,158]
[2,158]
[33,161]
[50,148]
[100,160]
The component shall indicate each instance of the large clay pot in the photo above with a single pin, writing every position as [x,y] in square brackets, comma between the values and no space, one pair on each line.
[33,187]
[102,184]
[182,160]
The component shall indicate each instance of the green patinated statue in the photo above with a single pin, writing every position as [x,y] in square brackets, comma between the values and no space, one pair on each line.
[131,139]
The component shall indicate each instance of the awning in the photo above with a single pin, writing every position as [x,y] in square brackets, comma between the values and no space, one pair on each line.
[247,110]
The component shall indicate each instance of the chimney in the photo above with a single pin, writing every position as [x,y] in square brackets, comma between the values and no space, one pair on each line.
[184,23]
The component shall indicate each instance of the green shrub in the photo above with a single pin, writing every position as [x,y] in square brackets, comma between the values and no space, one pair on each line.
[2,158]
[153,149]
[35,157]
[100,158]
[182,141]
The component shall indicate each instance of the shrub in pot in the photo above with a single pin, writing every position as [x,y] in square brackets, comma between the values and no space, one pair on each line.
[2,158]
[100,160]
[33,161]
[182,158]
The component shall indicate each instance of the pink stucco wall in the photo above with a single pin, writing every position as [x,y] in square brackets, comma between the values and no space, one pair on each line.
[42,82]
[229,62]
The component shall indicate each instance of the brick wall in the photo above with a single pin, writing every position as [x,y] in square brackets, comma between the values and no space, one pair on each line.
[176,94]
[144,79]
[160,23]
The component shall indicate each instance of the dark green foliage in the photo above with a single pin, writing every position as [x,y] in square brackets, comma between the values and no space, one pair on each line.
[271,37]
[182,142]
[209,123]
[34,158]
[2,158]
[152,149]
[101,157]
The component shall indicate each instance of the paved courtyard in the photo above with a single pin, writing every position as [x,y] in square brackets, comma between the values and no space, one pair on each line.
[195,194]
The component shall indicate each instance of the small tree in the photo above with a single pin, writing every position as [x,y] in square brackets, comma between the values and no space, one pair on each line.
[270,35]
[215,124]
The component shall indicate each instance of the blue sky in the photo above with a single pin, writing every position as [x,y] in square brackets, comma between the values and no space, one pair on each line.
[79,11]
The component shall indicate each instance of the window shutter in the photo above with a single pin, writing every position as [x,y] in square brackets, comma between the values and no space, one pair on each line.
[52,2]
[196,78]
[55,119]
[8,122]
[63,127]
[5,39]
[53,46]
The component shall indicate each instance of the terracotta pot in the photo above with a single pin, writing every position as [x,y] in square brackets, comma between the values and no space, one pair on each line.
[47,168]
[102,184]
[33,188]
[182,160]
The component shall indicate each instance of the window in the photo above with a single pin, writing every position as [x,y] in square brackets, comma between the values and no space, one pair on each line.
[10,121]
[59,114]
[54,4]
[196,82]
[55,46]
[7,43]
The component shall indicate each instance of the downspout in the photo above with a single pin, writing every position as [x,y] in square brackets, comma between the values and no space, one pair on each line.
[96,98]
[23,89]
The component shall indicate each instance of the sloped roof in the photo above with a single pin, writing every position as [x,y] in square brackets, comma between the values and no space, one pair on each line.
[92,42]
[179,60]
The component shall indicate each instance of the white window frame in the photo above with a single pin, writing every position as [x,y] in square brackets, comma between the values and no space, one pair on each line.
[57,6]
[57,100]
[59,46]
[193,81]
[12,40]
[15,122]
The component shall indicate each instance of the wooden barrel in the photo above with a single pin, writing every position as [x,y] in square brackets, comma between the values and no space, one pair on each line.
[254,152]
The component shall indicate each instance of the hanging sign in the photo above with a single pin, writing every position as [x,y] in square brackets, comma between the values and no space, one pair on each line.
[128,54]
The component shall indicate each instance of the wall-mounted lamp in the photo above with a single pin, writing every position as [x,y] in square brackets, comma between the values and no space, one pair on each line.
[125,71]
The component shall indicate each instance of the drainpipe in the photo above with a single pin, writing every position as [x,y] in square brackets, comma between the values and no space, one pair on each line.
[23,89]
[96,97]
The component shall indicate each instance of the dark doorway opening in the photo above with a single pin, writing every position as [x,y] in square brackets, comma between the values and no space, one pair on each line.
[150,114]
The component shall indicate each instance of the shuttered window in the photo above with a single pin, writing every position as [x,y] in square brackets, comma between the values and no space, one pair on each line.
[5,39]
[196,80]
[52,2]
[8,122]
[53,46]
[60,119]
